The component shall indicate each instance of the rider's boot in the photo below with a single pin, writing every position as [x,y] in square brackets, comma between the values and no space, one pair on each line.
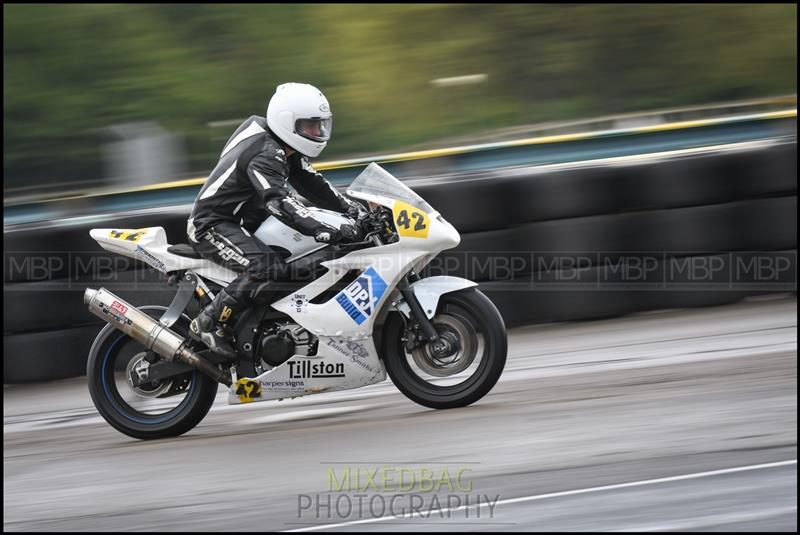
[209,326]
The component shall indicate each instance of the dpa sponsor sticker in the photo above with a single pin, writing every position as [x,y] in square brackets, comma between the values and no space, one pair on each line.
[361,296]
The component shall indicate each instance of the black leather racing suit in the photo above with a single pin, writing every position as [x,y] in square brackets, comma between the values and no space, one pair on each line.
[250,183]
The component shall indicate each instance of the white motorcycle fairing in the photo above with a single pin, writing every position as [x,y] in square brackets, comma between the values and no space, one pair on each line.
[150,246]
[346,356]
[275,233]
[430,289]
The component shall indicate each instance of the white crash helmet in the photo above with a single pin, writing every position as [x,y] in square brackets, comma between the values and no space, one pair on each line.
[299,114]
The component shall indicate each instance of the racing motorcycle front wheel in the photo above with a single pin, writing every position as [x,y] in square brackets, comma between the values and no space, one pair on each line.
[157,409]
[462,373]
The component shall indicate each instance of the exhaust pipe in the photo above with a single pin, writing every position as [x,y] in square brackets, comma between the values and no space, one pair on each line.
[147,331]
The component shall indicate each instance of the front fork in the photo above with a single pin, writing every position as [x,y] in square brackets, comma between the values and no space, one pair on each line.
[425,324]
[436,344]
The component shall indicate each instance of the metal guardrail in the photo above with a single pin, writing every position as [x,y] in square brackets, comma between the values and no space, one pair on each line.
[452,151]
[665,115]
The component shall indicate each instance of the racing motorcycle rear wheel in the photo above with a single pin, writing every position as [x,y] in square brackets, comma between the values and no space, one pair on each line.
[464,373]
[158,409]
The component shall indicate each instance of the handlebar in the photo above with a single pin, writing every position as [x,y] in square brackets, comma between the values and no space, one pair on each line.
[376,225]
[372,239]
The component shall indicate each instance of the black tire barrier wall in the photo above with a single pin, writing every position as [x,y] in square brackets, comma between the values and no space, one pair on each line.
[43,305]
[502,199]
[760,224]
[47,355]
[520,228]
[641,283]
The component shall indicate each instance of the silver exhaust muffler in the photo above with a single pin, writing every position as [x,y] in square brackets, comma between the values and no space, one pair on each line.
[147,331]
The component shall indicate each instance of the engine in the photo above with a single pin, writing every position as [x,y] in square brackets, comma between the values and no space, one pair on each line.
[282,341]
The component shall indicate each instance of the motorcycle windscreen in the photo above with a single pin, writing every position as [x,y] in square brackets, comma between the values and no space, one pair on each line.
[375,180]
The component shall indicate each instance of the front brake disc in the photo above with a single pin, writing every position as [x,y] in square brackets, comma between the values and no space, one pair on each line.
[457,362]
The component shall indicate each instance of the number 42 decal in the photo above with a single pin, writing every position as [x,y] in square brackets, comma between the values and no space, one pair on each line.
[410,221]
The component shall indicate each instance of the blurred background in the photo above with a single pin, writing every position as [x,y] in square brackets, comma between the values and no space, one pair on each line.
[570,145]
[624,180]
[99,94]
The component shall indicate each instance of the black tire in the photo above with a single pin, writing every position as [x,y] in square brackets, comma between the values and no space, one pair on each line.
[485,318]
[112,345]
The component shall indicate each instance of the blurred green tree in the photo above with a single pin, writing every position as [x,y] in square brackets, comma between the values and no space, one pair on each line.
[72,70]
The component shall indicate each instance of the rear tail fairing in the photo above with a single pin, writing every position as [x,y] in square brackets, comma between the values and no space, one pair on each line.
[150,246]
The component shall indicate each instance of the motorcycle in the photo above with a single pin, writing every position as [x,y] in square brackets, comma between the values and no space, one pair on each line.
[349,315]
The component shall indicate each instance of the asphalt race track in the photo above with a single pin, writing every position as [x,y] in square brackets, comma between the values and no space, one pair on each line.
[669,420]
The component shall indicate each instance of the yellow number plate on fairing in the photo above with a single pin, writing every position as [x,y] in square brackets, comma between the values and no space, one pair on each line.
[410,221]
[127,234]
[248,390]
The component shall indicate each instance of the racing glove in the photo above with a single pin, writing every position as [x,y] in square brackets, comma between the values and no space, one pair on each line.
[355,210]
[345,234]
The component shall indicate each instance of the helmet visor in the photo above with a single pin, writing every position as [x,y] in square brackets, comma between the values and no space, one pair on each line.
[315,128]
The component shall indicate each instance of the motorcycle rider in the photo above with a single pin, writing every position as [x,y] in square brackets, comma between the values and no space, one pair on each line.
[264,156]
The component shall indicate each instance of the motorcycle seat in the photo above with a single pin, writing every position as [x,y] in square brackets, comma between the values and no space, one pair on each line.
[183,249]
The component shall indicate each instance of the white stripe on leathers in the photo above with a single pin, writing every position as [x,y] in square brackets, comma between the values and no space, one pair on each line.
[251,130]
[212,189]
